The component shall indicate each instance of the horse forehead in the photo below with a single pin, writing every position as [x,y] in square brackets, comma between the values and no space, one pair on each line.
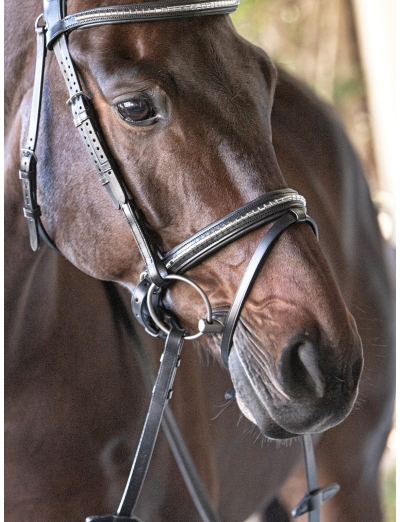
[206,42]
[190,50]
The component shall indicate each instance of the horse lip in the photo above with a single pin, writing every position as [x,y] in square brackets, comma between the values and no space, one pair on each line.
[272,430]
[266,423]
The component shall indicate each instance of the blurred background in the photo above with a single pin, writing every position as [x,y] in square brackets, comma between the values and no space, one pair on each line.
[345,51]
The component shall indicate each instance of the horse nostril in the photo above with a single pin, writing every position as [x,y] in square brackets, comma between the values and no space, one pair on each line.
[300,371]
[308,357]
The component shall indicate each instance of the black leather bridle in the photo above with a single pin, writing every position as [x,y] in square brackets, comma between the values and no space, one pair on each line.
[282,207]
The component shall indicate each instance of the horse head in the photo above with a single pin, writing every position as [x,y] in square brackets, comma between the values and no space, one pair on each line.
[184,107]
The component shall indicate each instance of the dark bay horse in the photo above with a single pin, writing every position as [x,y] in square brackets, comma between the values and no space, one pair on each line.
[215,126]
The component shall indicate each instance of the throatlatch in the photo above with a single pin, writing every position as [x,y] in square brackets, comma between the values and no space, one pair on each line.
[283,207]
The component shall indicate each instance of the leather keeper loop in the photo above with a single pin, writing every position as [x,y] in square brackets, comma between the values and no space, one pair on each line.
[29,175]
[34,213]
[81,118]
[313,500]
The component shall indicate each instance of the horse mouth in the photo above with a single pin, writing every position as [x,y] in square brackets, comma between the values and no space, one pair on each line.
[265,400]
[268,426]
[251,403]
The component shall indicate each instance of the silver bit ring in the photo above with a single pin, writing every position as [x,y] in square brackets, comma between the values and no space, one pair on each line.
[153,288]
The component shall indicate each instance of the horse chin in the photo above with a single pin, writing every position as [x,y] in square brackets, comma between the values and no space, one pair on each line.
[269,427]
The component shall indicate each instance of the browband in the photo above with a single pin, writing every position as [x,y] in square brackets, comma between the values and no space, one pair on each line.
[137,13]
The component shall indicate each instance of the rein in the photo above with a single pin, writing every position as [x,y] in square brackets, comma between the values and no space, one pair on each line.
[283,207]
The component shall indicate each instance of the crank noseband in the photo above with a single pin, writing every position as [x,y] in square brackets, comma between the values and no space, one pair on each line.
[284,207]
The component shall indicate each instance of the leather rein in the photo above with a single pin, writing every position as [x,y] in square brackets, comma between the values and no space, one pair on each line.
[283,207]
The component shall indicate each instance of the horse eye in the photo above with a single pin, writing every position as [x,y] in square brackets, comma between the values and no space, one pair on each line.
[136,110]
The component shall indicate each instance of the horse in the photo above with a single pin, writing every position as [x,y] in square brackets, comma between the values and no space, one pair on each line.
[199,122]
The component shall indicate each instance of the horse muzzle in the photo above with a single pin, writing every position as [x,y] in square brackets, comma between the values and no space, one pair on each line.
[308,389]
